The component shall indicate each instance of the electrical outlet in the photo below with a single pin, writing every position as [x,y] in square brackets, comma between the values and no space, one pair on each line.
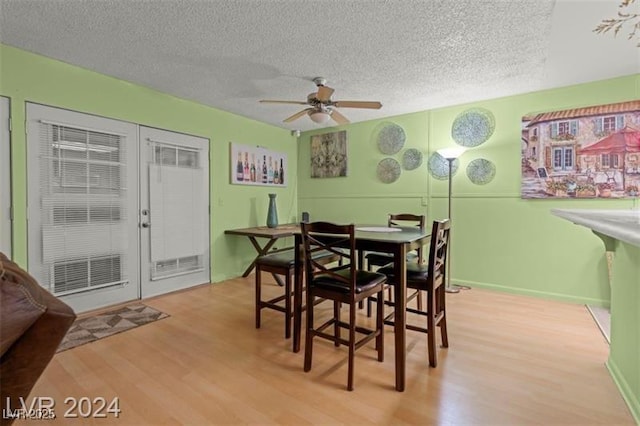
[423,201]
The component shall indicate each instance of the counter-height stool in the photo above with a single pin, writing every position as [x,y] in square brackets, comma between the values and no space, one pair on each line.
[378,260]
[281,263]
[430,278]
[343,284]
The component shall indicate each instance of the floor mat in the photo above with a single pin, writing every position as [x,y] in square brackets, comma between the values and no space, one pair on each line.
[90,329]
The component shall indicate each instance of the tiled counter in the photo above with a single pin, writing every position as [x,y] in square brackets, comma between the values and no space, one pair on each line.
[620,232]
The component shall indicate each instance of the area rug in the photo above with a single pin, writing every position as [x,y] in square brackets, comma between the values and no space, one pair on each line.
[90,329]
[602,317]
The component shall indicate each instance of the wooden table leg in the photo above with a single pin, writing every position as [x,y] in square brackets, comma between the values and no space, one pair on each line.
[400,315]
[262,251]
[297,295]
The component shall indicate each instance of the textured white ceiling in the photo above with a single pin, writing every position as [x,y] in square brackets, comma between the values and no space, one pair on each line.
[409,55]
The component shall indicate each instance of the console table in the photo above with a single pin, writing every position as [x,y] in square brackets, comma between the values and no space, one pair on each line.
[619,230]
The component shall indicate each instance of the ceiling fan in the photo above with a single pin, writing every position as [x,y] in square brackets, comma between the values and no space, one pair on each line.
[321,107]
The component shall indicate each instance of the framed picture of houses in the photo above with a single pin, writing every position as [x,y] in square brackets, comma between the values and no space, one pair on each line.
[584,152]
[256,165]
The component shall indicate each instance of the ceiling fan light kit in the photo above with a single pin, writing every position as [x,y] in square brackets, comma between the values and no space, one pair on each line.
[322,108]
[320,117]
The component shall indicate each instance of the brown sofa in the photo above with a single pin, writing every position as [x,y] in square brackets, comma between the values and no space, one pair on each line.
[33,322]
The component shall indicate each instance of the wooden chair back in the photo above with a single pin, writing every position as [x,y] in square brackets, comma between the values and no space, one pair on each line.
[333,238]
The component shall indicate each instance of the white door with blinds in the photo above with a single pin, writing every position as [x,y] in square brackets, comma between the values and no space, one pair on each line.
[5,178]
[174,201]
[82,206]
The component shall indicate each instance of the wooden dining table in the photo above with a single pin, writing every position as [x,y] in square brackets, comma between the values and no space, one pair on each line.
[268,238]
[396,241]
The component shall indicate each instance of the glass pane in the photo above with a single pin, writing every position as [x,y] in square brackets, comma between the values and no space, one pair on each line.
[168,156]
[187,159]
[104,147]
[104,178]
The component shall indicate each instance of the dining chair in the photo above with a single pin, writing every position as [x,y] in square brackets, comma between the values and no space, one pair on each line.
[375,259]
[342,284]
[430,278]
[395,220]
[281,263]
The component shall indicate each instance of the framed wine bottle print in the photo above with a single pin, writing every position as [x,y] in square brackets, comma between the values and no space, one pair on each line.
[256,165]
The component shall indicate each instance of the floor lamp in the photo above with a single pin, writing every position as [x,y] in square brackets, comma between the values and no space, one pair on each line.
[450,154]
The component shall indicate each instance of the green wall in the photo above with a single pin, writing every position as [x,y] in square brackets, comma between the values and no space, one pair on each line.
[499,240]
[25,77]
[624,354]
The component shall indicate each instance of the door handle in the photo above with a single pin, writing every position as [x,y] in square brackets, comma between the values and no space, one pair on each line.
[145,222]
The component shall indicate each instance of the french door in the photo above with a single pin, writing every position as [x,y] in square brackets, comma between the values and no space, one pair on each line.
[174,211]
[90,212]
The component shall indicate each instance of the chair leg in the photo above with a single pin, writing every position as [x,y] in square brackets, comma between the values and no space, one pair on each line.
[431,334]
[336,325]
[288,312]
[369,301]
[380,325]
[258,296]
[443,321]
[419,297]
[308,343]
[352,345]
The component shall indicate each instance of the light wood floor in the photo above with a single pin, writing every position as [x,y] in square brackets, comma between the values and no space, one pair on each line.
[512,360]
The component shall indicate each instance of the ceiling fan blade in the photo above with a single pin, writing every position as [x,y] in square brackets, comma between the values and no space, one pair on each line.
[269,101]
[324,93]
[339,118]
[358,104]
[297,115]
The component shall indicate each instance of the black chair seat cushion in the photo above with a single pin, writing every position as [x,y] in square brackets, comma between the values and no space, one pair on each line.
[416,274]
[380,259]
[286,258]
[365,280]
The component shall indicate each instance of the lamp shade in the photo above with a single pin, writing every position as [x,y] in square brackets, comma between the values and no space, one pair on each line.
[451,153]
[319,117]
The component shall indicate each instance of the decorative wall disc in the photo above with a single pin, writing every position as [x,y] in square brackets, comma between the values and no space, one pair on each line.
[388,170]
[473,127]
[439,166]
[411,159]
[391,139]
[481,171]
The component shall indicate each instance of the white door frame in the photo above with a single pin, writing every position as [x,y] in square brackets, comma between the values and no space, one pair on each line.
[5,178]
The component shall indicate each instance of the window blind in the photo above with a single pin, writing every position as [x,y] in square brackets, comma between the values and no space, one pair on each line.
[83,208]
[175,187]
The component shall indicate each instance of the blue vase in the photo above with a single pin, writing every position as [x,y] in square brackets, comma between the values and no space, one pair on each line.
[272,214]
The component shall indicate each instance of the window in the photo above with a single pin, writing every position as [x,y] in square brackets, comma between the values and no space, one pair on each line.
[567,129]
[608,124]
[609,161]
[563,158]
